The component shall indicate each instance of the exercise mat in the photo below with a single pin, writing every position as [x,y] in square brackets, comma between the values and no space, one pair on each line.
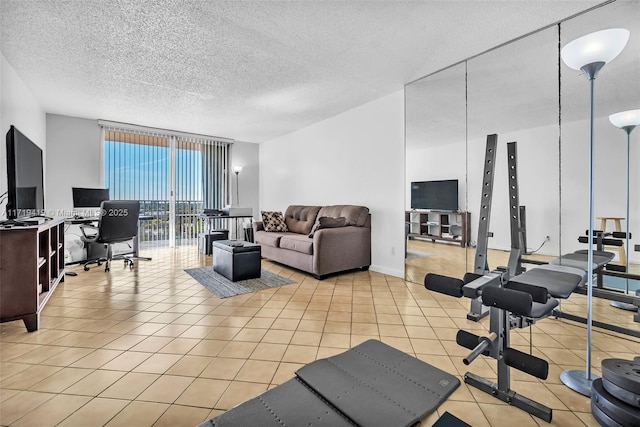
[371,384]
[289,404]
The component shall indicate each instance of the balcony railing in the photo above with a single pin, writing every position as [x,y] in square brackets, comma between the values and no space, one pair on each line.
[189,223]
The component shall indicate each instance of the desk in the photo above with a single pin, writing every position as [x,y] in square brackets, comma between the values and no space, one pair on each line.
[210,218]
[93,220]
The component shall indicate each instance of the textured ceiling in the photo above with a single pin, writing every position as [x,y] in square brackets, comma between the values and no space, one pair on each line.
[250,70]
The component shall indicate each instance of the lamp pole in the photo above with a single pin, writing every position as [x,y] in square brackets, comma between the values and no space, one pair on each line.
[627,121]
[237,170]
[589,54]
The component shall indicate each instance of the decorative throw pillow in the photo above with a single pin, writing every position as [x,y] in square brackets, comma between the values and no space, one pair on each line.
[328,222]
[273,221]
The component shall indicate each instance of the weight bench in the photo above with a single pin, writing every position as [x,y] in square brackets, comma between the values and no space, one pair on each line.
[371,384]
[514,302]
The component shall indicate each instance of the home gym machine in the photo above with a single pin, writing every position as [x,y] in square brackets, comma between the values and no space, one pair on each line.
[517,257]
[513,298]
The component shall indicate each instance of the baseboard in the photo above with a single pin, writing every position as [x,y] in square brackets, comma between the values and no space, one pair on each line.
[388,271]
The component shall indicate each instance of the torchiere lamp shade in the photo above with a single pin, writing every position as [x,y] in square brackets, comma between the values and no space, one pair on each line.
[601,46]
[625,119]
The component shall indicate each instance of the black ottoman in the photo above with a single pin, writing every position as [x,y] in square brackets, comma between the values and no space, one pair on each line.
[205,240]
[236,260]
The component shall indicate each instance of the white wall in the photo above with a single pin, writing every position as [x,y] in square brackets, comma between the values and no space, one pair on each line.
[438,162]
[20,108]
[246,154]
[356,157]
[74,157]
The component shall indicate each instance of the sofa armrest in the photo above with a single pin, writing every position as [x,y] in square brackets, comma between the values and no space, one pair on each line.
[257,226]
[338,249]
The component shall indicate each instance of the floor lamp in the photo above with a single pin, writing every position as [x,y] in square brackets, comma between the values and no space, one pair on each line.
[237,170]
[589,54]
[627,121]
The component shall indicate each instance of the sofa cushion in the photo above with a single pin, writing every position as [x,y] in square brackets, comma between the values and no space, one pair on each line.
[297,243]
[328,222]
[273,221]
[268,239]
[355,215]
[300,219]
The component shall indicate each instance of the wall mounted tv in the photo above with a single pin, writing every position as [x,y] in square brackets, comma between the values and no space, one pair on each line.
[435,195]
[25,187]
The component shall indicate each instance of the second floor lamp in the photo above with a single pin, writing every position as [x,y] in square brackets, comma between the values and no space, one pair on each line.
[237,170]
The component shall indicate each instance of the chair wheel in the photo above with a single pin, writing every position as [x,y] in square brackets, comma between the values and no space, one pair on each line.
[99,263]
[106,269]
[86,268]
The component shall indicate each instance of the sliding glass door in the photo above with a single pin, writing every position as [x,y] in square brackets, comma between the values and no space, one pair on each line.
[175,177]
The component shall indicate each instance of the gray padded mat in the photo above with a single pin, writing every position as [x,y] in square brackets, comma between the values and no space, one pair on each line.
[374,384]
[369,385]
[289,404]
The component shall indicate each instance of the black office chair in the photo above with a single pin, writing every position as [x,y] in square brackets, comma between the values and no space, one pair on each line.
[118,222]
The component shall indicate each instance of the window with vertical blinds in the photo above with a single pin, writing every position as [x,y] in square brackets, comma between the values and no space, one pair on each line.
[174,175]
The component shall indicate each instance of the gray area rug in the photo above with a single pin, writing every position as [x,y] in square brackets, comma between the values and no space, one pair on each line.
[417,254]
[225,288]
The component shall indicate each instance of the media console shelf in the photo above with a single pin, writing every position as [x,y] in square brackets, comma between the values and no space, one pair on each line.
[31,266]
[439,225]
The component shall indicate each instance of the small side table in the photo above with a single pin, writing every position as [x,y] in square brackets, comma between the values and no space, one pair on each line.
[617,223]
[236,260]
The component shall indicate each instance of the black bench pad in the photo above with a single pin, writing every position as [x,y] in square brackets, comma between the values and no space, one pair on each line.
[579,259]
[559,280]
[374,384]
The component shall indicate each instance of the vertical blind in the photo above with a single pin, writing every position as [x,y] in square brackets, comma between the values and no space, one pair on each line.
[174,175]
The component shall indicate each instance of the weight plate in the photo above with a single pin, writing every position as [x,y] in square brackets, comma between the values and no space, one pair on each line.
[602,418]
[623,373]
[615,409]
[621,394]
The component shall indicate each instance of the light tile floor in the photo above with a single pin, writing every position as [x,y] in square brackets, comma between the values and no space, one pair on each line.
[152,347]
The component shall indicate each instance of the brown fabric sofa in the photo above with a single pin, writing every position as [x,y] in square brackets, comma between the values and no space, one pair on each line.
[330,250]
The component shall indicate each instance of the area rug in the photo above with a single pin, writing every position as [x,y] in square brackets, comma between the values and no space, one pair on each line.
[416,254]
[225,288]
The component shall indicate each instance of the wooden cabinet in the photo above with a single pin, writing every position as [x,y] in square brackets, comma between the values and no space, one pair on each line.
[439,226]
[31,266]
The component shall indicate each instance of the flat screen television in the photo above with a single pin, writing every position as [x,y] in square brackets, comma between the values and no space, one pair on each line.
[25,181]
[89,197]
[435,195]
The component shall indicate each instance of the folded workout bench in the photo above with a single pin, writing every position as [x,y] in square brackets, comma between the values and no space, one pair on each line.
[371,384]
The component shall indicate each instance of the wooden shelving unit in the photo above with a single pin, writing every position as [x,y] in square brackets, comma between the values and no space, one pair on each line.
[31,266]
[439,226]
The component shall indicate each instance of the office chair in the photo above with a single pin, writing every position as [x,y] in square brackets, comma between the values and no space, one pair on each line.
[118,222]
